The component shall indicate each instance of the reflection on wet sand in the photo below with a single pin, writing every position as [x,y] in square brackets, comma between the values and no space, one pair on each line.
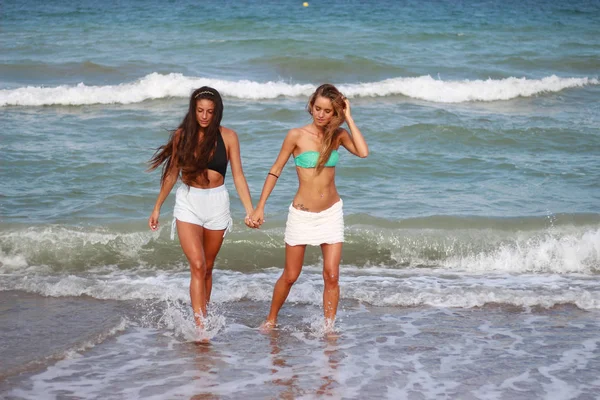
[289,377]
[329,373]
[290,386]
[204,359]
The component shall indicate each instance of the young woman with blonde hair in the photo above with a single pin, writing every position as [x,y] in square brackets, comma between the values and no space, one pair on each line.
[315,215]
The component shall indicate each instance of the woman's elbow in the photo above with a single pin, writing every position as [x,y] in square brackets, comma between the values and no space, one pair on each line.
[172,176]
[238,177]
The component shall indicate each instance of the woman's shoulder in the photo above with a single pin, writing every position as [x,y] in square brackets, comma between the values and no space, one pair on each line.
[296,132]
[341,133]
[292,134]
[227,131]
[228,134]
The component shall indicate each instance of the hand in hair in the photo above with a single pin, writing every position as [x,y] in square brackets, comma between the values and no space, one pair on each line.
[346,107]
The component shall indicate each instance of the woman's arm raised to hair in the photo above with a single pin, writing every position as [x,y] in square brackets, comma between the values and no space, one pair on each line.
[354,141]
[239,179]
[287,148]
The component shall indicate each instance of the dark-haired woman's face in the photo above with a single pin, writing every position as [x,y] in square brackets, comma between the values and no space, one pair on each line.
[204,112]
[322,111]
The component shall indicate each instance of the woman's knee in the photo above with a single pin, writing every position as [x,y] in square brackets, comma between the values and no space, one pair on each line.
[198,269]
[331,277]
[209,267]
[289,278]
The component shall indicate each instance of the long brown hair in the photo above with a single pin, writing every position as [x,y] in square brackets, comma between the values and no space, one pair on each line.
[330,92]
[191,154]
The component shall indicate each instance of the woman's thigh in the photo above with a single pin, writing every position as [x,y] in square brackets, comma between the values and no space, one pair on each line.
[191,238]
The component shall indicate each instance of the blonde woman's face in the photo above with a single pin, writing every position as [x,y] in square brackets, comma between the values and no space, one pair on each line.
[322,111]
[204,112]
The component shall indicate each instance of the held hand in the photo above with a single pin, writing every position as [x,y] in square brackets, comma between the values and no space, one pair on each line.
[249,223]
[258,217]
[153,220]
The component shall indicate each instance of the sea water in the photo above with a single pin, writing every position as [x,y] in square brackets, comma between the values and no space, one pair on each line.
[472,254]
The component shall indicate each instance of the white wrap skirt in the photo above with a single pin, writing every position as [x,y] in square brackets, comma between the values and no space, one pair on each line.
[315,228]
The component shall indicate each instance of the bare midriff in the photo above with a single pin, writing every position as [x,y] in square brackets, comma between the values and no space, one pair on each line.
[215,180]
[315,192]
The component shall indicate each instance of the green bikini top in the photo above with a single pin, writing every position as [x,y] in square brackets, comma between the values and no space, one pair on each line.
[309,159]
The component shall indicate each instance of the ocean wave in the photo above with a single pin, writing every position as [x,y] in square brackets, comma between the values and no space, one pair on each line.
[519,246]
[162,86]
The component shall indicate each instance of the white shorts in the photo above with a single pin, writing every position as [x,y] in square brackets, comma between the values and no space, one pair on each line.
[208,208]
[315,228]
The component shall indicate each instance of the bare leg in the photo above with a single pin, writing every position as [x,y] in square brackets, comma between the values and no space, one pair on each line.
[332,255]
[294,257]
[212,244]
[191,239]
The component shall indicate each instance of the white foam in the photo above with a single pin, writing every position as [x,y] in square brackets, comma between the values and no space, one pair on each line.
[120,327]
[67,245]
[548,253]
[526,269]
[440,91]
[161,86]
[395,288]
[575,359]
[554,251]
[177,318]
[12,262]
[444,360]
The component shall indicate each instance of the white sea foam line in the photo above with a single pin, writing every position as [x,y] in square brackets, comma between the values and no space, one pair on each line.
[430,89]
[460,291]
[160,86]
[120,327]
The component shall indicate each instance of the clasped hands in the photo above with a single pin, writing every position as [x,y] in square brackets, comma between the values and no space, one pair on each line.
[255,219]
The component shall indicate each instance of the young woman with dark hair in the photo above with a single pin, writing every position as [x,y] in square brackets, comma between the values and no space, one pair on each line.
[198,152]
[315,215]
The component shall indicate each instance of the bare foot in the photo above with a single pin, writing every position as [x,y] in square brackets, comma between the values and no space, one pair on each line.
[333,335]
[199,319]
[201,337]
[267,326]
[329,328]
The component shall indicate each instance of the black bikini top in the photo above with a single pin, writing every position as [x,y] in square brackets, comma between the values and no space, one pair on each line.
[218,161]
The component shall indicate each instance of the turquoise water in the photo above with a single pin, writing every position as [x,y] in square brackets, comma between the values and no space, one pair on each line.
[481,189]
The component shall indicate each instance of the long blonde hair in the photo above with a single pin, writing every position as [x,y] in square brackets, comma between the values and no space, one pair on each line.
[330,92]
